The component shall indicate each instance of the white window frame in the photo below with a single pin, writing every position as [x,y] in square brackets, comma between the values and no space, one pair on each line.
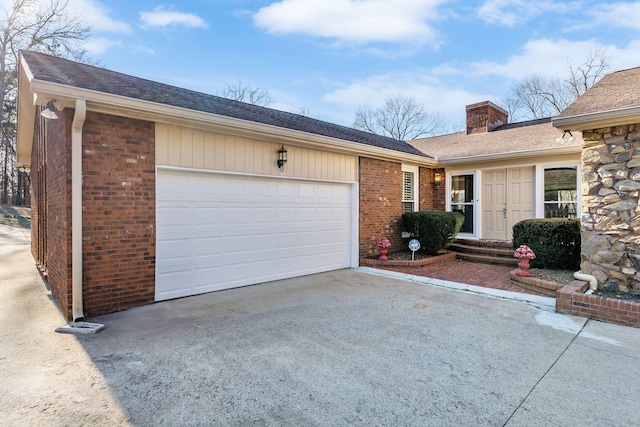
[416,185]
[540,168]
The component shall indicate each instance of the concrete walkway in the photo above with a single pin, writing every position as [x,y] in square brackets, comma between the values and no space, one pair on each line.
[342,348]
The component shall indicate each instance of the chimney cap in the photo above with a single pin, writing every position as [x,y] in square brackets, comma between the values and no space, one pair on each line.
[485,104]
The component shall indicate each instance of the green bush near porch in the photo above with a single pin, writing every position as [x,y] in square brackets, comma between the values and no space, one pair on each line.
[434,230]
[555,241]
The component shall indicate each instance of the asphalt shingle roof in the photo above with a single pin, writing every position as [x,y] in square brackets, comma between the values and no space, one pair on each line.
[65,72]
[511,138]
[614,91]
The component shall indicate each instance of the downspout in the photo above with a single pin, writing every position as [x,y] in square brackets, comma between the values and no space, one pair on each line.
[593,282]
[76,208]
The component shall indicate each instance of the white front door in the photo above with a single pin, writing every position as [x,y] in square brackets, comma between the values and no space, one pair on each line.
[219,231]
[494,204]
[508,198]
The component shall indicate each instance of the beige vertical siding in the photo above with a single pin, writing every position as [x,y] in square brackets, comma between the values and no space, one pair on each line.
[189,148]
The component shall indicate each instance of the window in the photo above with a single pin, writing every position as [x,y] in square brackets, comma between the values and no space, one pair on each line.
[462,200]
[560,192]
[409,188]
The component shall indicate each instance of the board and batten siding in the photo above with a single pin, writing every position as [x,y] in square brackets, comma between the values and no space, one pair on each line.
[196,149]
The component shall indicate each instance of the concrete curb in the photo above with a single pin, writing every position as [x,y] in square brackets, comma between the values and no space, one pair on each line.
[540,302]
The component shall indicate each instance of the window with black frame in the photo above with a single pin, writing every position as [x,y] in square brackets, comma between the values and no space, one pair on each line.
[462,200]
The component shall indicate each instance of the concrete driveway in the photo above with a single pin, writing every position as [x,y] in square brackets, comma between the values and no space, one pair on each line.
[340,348]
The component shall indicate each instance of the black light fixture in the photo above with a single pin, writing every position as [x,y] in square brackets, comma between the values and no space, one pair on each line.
[48,112]
[560,139]
[282,158]
[437,178]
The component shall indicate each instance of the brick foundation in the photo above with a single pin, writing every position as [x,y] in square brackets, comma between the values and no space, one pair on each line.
[571,299]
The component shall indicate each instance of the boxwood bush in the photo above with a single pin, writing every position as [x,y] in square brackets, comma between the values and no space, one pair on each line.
[434,230]
[555,241]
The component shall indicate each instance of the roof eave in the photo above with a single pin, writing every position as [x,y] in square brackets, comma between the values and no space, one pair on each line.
[162,113]
[600,119]
[569,149]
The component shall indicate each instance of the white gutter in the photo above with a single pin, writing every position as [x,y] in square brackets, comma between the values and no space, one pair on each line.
[76,208]
[586,120]
[146,110]
[569,149]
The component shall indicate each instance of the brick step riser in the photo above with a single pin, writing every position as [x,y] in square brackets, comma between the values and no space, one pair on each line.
[500,253]
[487,259]
[484,244]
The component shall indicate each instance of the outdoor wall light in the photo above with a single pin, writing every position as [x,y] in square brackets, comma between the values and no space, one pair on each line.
[560,139]
[48,112]
[437,178]
[282,158]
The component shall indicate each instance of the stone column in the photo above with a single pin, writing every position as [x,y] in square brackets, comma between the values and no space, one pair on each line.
[610,210]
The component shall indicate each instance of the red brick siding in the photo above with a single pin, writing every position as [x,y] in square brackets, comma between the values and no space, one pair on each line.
[380,204]
[51,204]
[431,194]
[118,213]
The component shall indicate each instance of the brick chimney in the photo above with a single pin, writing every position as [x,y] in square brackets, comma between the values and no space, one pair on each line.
[484,117]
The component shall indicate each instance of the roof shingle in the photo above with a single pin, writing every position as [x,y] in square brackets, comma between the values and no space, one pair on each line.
[62,71]
[614,91]
[519,137]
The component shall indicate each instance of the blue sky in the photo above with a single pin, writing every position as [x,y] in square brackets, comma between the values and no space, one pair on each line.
[329,56]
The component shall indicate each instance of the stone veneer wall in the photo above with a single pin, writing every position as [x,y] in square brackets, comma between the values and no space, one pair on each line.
[610,209]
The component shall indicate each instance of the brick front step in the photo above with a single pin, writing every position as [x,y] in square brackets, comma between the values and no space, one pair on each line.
[484,251]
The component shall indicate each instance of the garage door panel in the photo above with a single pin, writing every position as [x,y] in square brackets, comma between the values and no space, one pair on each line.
[221,231]
[174,249]
[207,215]
[175,284]
[175,216]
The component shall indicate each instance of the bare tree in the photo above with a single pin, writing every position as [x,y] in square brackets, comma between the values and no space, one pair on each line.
[537,96]
[400,117]
[240,91]
[30,25]
[586,75]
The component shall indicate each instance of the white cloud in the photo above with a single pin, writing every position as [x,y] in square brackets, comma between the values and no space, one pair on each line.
[620,15]
[435,94]
[97,16]
[353,21]
[542,56]
[513,12]
[161,17]
[99,45]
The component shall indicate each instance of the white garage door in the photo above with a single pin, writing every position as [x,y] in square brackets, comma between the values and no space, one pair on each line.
[217,231]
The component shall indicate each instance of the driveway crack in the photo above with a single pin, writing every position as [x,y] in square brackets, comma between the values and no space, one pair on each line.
[545,374]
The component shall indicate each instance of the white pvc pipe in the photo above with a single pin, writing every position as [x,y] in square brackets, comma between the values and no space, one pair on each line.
[76,209]
[593,282]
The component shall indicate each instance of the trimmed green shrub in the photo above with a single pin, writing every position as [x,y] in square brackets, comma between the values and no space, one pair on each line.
[555,241]
[434,230]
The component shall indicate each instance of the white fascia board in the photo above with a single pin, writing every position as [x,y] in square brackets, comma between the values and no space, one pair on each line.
[146,110]
[508,156]
[599,119]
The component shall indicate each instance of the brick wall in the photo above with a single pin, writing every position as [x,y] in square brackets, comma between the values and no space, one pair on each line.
[380,204]
[118,213]
[572,300]
[431,194]
[51,205]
